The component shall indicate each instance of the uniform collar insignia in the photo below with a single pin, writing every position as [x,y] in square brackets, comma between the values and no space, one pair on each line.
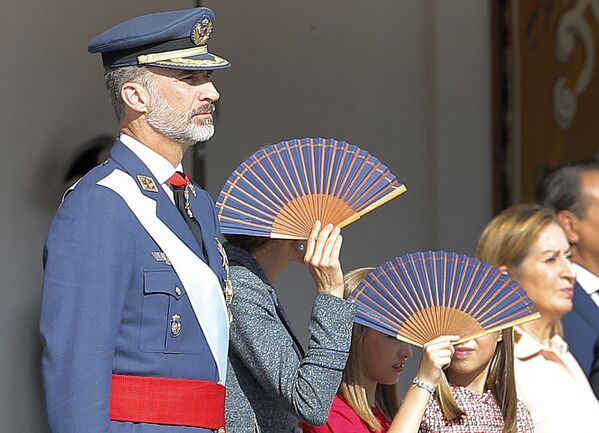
[147,183]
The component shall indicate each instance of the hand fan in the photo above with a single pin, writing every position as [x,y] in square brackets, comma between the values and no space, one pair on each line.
[420,296]
[280,190]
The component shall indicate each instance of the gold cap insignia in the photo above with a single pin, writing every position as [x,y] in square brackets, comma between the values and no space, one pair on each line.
[147,183]
[201,31]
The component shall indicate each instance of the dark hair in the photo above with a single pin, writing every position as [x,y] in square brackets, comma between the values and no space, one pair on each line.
[561,188]
[248,243]
[114,78]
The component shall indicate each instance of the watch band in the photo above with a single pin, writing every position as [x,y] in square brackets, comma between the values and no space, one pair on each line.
[424,385]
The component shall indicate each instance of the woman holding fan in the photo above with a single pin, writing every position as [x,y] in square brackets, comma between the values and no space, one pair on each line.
[266,209]
[527,242]
[271,382]
[469,388]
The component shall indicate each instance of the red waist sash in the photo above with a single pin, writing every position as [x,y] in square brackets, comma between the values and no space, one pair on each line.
[156,400]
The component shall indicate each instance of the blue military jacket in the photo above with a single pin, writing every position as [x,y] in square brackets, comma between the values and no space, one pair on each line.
[581,328]
[107,301]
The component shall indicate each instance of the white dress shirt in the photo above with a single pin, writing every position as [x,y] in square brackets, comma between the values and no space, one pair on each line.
[588,281]
[158,165]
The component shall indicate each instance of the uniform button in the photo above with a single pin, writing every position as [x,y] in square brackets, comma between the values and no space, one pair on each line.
[178,291]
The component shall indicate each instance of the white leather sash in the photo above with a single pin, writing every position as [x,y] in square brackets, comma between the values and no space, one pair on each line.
[199,280]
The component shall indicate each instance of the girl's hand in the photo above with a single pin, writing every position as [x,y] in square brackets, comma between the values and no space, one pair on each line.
[436,355]
[322,259]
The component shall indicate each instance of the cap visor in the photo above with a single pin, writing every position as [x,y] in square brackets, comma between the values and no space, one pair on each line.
[201,62]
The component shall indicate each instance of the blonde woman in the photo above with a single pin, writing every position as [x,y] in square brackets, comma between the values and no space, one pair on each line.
[527,242]
[368,398]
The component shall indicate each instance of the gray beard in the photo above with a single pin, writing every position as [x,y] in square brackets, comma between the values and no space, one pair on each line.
[176,126]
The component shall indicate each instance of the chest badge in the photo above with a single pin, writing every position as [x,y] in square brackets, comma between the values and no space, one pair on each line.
[176,325]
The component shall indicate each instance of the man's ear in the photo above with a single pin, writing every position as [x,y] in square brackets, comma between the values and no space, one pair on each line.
[569,222]
[136,97]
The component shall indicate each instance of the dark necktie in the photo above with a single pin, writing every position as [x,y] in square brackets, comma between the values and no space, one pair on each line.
[181,189]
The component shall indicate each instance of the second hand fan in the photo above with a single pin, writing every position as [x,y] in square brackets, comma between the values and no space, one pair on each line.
[280,190]
[421,296]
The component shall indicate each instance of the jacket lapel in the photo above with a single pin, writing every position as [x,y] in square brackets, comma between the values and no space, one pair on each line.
[585,307]
[165,209]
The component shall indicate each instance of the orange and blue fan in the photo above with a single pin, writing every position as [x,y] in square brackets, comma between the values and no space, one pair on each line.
[423,295]
[280,190]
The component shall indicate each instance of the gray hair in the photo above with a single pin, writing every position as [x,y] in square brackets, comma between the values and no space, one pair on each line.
[561,189]
[114,79]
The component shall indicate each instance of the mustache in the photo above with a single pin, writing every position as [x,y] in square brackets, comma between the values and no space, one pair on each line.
[205,109]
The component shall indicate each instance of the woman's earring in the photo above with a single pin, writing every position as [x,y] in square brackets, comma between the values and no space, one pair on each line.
[301,247]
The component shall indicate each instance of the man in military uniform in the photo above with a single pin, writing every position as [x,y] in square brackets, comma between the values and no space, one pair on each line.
[134,318]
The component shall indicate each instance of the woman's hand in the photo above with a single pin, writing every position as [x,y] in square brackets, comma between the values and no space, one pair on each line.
[436,355]
[322,258]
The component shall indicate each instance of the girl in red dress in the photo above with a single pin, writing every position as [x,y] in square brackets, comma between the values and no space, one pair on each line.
[468,388]
[368,397]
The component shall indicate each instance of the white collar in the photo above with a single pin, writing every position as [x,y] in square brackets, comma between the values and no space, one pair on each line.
[587,280]
[158,165]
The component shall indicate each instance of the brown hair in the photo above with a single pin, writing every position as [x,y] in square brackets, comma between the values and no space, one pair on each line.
[500,380]
[507,239]
[352,385]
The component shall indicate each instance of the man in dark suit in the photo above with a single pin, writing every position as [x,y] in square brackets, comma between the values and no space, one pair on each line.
[134,321]
[573,192]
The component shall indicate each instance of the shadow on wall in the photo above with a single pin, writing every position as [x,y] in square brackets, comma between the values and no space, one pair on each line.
[60,173]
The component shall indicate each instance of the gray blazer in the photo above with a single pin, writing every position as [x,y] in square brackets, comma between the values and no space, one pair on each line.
[270,382]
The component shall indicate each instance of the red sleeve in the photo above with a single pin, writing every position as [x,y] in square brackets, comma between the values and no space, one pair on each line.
[342,419]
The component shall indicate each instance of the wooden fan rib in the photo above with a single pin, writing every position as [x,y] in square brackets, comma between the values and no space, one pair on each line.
[413,288]
[239,199]
[332,167]
[340,170]
[347,173]
[295,192]
[454,287]
[415,304]
[397,283]
[278,195]
[517,322]
[304,170]
[362,182]
[493,314]
[394,193]
[376,301]
[421,287]
[499,296]
[425,259]
[252,217]
[316,151]
[281,180]
[373,194]
[488,290]
[393,307]
[407,328]
[242,222]
[351,189]
[372,312]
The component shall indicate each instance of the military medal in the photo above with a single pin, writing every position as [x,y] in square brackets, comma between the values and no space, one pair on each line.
[227,286]
[186,197]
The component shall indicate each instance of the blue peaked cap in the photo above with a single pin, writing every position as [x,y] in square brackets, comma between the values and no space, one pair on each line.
[174,39]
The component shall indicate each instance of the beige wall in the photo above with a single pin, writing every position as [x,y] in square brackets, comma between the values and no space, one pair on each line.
[409,80]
